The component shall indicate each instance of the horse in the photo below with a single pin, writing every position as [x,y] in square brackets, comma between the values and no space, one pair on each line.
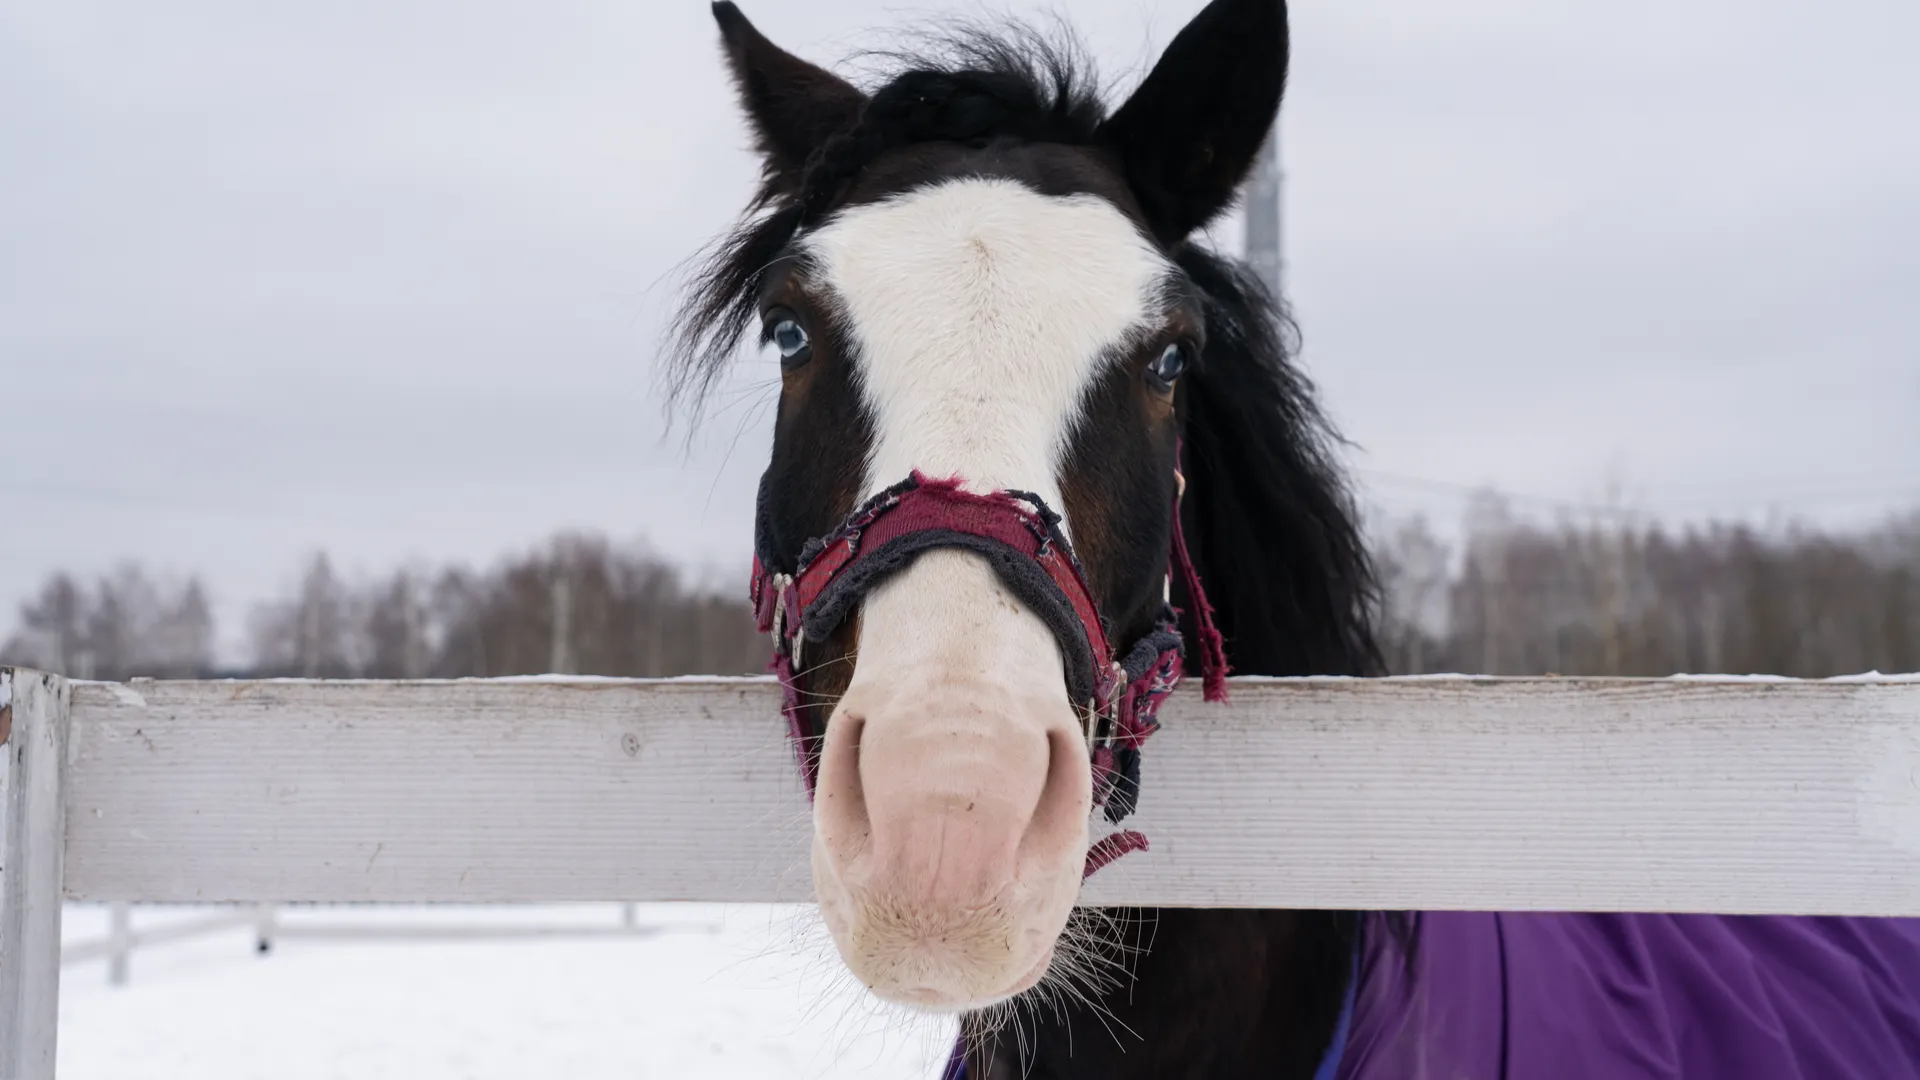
[1025,415]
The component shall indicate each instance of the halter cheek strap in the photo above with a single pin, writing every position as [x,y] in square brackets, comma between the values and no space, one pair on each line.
[1019,537]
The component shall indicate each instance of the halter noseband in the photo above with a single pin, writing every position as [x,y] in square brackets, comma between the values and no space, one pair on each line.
[1019,536]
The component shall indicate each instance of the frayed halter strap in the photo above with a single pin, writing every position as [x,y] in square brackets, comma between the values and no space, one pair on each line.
[1020,537]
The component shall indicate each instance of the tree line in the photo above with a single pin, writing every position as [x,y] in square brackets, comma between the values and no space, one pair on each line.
[1508,597]
[577,604]
[1620,598]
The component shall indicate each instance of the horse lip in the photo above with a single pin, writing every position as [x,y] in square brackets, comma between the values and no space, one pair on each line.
[930,1000]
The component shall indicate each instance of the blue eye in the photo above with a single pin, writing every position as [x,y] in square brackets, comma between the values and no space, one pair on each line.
[1170,365]
[790,338]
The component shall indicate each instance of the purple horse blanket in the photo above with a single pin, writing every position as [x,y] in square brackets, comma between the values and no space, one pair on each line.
[1635,997]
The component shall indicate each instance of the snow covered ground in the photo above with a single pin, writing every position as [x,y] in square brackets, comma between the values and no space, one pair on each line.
[730,992]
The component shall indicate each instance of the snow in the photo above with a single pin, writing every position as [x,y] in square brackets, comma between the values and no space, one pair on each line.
[729,992]
[1869,677]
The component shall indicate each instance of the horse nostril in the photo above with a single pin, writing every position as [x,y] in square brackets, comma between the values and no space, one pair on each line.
[855,727]
[1060,816]
[842,787]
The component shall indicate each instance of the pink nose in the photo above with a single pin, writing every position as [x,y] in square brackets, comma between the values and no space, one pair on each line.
[952,825]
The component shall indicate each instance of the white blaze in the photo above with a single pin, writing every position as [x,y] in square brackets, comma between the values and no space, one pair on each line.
[981,311]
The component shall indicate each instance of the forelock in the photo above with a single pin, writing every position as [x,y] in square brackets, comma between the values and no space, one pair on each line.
[962,84]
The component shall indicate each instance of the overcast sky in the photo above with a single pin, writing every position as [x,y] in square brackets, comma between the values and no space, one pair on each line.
[388,278]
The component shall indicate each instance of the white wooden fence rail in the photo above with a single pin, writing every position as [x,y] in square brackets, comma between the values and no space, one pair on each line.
[1691,795]
[123,938]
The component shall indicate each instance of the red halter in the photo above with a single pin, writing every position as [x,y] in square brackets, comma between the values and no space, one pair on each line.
[1020,537]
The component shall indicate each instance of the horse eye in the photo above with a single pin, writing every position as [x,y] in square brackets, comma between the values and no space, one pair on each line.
[1171,364]
[791,339]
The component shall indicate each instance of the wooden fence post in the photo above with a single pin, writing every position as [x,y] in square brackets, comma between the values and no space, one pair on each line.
[34,717]
[266,927]
[119,941]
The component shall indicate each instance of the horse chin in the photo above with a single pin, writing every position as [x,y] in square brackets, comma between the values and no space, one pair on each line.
[939,961]
[932,1000]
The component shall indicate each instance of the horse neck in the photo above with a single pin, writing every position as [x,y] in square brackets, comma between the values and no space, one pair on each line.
[1268,518]
[1290,585]
[1214,993]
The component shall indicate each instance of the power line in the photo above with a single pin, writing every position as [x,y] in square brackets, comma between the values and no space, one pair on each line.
[1648,505]
[196,501]
[1465,490]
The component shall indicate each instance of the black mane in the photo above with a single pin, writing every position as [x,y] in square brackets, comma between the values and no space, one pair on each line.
[968,84]
[1269,510]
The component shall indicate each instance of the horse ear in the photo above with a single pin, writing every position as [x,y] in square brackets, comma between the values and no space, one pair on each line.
[794,106]
[1189,134]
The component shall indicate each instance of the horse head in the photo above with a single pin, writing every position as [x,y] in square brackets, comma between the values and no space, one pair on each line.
[981,289]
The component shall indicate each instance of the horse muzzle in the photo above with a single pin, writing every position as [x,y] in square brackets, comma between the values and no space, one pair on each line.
[986,715]
[954,793]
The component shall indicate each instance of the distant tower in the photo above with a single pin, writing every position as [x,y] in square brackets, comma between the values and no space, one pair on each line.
[1263,214]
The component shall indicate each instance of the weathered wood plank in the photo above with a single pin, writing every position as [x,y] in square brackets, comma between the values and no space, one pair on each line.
[33,751]
[1694,795]
[463,790]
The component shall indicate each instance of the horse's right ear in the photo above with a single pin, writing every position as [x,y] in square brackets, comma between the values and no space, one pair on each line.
[794,106]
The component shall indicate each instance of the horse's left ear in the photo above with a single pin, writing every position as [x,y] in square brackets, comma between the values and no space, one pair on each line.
[1189,134]
[794,106]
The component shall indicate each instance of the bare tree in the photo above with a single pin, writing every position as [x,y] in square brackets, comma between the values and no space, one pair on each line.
[1612,597]
[399,627]
[577,604]
[128,624]
[319,633]
[1414,576]
[53,629]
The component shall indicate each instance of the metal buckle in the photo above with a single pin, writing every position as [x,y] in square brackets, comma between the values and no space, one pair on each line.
[1105,705]
[781,584]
